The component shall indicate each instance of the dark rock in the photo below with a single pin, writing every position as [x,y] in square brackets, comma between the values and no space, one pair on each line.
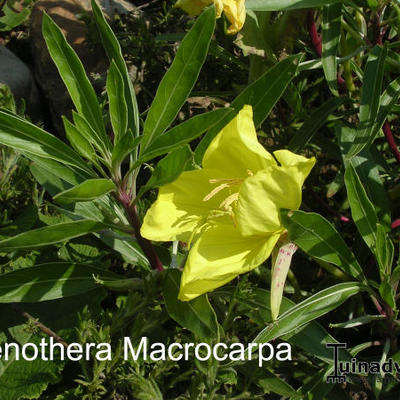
[17,76]
[64,13]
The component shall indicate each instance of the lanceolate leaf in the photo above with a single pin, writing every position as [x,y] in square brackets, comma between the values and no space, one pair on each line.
[368,171]
[74,77]
[183,133]
[113,50]
[180,78]
[332,14]
[278,5]
[86,191]
[262,95]
[310,309]
[197,315]
[388,99]
[30,140]
[50,281]
[78,141]
[168,169]
[370,97]
[118,108]
[362,210]
[50,235]
[318,238]
[316,120]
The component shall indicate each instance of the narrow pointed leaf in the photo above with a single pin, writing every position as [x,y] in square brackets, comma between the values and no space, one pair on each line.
[113,50]
[310,309]
[86,191]
[78,141]
[179,80]
[368,170]
[331,25]
[30,140]
[49,281]
[384,252]
[183,133]
[317,237]
[74,76]
[370,98]
[278,5]
[123,148]
[362,210]
[50,234]
[315,122]
[117,103]
[168,169]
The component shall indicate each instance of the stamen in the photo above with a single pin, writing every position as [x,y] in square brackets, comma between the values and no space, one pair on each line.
[226,204]
[215,191]
[249,173]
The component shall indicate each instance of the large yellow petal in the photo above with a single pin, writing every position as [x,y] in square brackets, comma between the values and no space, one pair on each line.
[298,166]
[236,150]
[235,11]
[264,194]
[179,209]
[219,255]
[193,7]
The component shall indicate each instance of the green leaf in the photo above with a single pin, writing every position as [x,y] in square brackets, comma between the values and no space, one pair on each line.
[74,76]
[114,53]
[368,170]
[183,134]
[49,281]
[168,169]
[272,383]
[11,19]
[197,315]
[278,5]
[78,141]
[384,252]
[262,95]
[388,99]
[312,337]
[310,309]
[117,103]
[86,191]
[370,98]
[317,237]
[388,293]
[331,24]
[313,124]
[362,210]
[179,80]
[125,146]
[87,131]
[50,235]
[30,140]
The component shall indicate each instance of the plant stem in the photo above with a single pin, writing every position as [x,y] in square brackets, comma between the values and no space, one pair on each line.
[390,139]
[39,325]
[145,244]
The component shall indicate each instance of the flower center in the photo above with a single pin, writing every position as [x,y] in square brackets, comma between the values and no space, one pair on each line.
[226,206]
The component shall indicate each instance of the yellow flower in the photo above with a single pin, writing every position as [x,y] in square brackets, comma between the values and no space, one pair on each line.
[228,211]
[234,10]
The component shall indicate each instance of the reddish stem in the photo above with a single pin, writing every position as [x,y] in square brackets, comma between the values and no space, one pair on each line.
[390,139]
[315,38]
[145,244]
[395,224]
